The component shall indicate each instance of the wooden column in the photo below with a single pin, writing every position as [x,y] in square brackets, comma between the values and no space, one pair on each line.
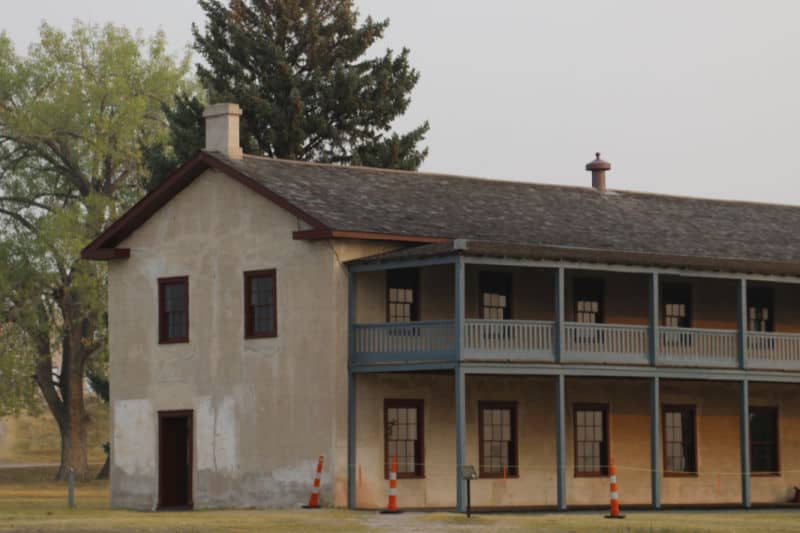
[655,442]
[561,445]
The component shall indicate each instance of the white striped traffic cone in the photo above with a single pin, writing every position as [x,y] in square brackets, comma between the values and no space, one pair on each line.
[313,501]
[612,475]
[392,507]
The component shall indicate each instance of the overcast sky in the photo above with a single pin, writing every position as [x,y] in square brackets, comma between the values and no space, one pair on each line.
[688,97]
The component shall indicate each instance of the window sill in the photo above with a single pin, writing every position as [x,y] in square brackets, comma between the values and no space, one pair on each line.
[681,474]
[262,336]
[184,340]
[765,474]
[497,476]
[591,474]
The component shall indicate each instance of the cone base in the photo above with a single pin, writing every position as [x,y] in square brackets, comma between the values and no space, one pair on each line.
[311,507]
[387,511]
[615,516]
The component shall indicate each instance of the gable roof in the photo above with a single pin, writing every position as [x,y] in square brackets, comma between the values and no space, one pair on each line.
[360,202]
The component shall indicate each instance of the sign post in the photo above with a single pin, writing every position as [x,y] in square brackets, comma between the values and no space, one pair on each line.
[468,474]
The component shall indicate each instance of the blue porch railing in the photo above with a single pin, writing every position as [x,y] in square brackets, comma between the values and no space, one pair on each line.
[534,341]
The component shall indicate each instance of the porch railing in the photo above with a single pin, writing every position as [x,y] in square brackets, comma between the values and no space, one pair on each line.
[697,347]
[430,340]
[773,351]
[605,343]
[582,343]
[509,339]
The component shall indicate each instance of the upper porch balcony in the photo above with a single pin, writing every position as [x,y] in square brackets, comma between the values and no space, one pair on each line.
[573,316]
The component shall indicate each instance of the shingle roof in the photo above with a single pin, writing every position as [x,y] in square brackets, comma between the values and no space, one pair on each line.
[530,214]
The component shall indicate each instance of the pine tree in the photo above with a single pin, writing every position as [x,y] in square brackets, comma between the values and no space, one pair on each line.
[299,71]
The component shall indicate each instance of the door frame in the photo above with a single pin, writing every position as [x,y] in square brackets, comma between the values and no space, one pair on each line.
[162,416]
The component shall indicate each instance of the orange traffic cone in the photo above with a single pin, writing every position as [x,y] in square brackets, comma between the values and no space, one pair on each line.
[392,507]
[313,501]
[612,475]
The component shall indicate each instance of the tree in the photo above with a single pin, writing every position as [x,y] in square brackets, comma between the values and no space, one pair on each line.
[76,115]
[299,71]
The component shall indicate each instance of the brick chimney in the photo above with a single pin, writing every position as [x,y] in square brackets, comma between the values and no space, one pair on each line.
[598,168]
[222,129]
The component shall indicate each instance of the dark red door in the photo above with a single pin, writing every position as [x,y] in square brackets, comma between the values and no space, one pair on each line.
[175,459]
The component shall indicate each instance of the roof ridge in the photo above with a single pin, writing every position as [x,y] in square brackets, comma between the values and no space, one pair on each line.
[506,181]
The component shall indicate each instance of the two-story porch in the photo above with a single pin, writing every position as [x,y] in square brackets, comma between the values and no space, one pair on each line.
[668,370]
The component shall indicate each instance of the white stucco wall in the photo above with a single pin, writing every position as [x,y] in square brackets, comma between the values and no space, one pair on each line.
[264,409]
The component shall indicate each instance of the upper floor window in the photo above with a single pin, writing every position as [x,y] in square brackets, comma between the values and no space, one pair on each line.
[589,300]
[173,309]
[260,312]
[495,294]
[677,305]
[591,440]
[402,303]
[764,440]
[404,427]
[759,309]
[498,433]
[679,440]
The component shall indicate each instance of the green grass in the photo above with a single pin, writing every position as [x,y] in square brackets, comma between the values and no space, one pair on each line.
[30,502]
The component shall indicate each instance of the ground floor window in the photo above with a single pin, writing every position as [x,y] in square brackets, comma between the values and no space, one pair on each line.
[498,439]
[680,451]
[591,440]
[764,440]
[403,427]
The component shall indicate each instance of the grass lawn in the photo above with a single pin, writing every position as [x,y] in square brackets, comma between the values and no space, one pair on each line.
[29,502]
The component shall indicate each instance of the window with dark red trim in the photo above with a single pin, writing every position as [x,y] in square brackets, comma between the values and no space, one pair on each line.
[764,440]
[759,309]
[677,299]
[680,449]
[498,439]
[260,311]
[589,300]
[591,440]
[403,430]
[402,295]
[173,310]
[495,294]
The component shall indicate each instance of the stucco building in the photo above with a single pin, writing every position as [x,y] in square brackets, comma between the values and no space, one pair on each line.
[265,312]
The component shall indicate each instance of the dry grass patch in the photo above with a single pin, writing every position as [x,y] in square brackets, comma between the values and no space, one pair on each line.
[30,503]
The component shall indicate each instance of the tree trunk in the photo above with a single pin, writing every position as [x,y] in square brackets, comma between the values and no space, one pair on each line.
[75,420]
[67,408]
[103,474]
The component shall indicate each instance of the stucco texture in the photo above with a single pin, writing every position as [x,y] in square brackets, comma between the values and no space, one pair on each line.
[718,480]
[264,409]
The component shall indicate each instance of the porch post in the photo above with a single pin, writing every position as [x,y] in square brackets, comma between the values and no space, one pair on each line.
[558,345]
[561,445]
[654,318]
[655,442]
[351,440]
[744,439]
[351,393]
[461,423]
[741,320]
[460,385]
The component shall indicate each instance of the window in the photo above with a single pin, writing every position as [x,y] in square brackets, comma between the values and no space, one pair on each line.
[495,295]
[764,440]
[591,444]
[260,313]
[404,426]
[589,300]
[498,434]
[759,309]
[402,297]
[677,305]
[680,451]
[173,310]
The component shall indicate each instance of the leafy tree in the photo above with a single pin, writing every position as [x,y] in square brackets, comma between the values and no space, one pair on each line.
[299,71]
[76,115]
